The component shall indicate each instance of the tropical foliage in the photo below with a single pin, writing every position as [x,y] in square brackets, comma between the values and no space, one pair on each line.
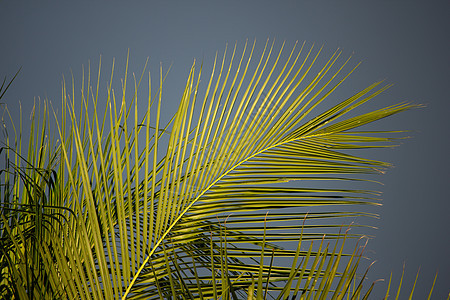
[233,198]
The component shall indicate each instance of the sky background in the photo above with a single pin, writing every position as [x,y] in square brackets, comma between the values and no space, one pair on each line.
[405,42]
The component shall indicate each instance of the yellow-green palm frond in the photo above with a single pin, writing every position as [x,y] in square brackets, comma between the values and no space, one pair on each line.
[209,204]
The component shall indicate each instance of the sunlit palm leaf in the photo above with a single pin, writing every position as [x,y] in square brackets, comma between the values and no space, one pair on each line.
[130,222]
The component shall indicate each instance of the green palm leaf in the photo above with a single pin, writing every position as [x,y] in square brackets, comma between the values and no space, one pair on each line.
[200,207]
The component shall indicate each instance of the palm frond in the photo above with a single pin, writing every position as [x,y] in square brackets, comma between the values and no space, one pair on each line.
[207,205]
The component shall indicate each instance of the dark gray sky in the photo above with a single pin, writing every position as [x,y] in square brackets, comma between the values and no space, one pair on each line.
[406,42]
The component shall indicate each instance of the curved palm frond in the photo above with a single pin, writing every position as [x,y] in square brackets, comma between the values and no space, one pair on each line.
[206,206]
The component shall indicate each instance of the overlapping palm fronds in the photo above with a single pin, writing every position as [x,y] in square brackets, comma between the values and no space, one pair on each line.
[206,206]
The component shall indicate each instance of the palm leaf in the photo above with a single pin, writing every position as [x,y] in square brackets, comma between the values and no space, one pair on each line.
[206,205]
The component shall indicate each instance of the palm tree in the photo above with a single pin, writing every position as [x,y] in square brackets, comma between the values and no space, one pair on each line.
[216,203]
